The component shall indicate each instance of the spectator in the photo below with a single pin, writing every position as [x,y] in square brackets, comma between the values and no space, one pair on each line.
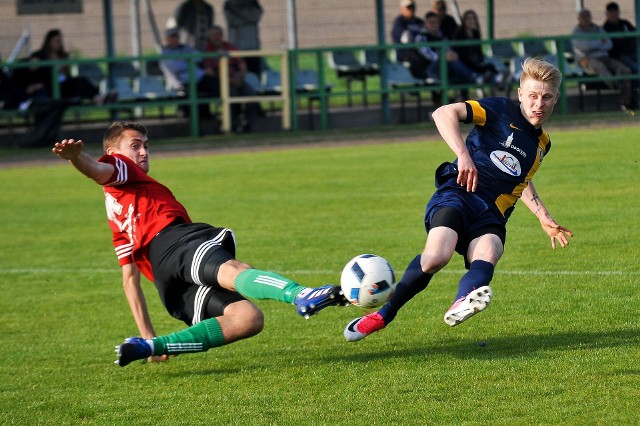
[21,88]
[593,55]
[472,55]
[242,26]
[242,115]
[4,80]
[405,26]
[31,89]
[46,114]
[36,82]
[177,71]
[448,24]
[426,62]
[194,18]
[624,48]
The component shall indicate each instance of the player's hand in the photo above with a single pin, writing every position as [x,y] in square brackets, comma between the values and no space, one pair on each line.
[68,148]
[159,358]
[467,173]
[555,231]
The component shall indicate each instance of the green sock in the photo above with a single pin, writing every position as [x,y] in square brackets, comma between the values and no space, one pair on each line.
[197,338]
[257,284]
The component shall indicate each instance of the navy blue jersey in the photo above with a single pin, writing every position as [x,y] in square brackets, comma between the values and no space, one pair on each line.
[506,150]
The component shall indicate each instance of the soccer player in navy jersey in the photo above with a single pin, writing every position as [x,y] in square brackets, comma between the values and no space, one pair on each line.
[477,193]
[192,265]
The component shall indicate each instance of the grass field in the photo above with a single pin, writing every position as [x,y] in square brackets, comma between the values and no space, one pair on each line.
[560,343]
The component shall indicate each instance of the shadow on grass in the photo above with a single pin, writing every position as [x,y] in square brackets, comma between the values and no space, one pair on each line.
[464,348]
[517,346]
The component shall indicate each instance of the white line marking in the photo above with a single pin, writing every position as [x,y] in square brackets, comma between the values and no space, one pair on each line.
[316,272]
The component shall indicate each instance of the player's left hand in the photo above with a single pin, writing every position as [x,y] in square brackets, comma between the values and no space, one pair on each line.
[555,231]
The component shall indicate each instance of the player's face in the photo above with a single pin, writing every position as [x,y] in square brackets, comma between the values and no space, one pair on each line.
[537,100]
[135,146]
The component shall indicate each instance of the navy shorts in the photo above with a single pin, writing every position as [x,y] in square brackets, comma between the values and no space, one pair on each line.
[185,259]
[467,213]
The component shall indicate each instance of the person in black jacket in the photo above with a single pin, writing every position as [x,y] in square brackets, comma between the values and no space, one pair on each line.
[404,27]
[624,48]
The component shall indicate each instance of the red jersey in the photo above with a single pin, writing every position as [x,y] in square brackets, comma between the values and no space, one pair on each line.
[138,207]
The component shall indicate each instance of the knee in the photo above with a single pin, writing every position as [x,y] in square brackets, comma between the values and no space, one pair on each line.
[228,271]
[255,322]
[246,319]
[251,320]
[431,264]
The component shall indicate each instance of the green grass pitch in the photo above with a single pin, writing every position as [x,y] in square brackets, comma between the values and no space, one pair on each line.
[560,343]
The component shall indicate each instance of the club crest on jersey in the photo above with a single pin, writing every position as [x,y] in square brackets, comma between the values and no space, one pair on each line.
[506,162]
[541,154]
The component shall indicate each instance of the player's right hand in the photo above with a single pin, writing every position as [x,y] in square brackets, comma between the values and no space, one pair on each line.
[467,173]
[68,148]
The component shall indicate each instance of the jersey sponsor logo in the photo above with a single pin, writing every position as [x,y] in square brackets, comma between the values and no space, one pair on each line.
[506,162]
[514,127]
[508,144]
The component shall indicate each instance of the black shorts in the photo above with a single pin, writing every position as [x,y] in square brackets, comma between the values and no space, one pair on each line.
[185,259]
[467,214]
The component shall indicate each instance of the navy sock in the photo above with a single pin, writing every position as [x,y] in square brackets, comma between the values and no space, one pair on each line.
[412,282]
[479,274]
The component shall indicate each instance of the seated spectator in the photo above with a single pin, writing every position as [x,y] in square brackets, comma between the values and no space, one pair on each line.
[177,71]
[448,24]
[592,54]
[4,80]
[624,48]
[242,115]
[405,26]
[37,80]
[425,62]
[472,55]
[31,89]
[20,89]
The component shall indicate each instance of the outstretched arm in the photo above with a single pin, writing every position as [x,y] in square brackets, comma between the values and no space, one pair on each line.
[447,119]
[555,231]
[71,149]
[138,304]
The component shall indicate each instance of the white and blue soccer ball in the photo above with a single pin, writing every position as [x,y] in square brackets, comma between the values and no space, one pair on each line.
[368,281]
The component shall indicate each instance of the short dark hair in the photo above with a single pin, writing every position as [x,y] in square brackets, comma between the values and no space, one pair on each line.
[611,6]
[116,129]
[431,14]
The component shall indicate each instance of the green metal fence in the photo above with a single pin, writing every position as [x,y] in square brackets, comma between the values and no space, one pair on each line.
[327,85]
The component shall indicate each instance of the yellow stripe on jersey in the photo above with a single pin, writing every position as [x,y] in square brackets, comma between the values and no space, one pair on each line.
[505,201]
[479,114]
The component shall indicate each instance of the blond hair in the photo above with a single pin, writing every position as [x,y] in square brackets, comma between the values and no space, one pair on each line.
[540,70]
[111,137]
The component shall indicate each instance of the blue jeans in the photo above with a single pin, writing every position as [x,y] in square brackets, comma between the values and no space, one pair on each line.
[458,72]
[629,61]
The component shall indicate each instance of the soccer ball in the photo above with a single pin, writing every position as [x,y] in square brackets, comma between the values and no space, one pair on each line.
[367,281]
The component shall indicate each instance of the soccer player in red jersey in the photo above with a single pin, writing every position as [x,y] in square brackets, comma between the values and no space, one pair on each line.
[192,265]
